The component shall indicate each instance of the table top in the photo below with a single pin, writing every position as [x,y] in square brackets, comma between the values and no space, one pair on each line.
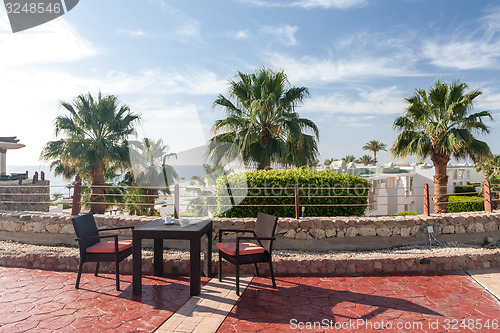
[195,225]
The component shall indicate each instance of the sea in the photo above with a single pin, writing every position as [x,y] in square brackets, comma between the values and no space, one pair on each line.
[58,184]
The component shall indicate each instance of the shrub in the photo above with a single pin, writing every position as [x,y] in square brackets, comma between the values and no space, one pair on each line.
[465,190]
[265,188]
[457,204]
[406,213]
[189,214]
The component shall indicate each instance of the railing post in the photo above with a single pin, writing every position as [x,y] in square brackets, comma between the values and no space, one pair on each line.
[487,196]
[296,190]
[176,201]
[426,200]
[77,194]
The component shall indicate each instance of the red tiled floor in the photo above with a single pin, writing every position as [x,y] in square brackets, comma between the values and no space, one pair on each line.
[45,301]
[424,303]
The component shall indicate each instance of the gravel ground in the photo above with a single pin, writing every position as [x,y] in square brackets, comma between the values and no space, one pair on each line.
[444,250]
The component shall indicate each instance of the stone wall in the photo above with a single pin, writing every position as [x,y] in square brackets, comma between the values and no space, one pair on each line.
[66,259]
[318,234]
[28,196]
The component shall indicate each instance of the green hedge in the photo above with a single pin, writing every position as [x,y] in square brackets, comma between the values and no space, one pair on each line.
[405,213]
[456,204]
[465,189]
[310,182]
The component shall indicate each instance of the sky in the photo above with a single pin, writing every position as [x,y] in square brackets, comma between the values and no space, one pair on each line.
[168,60]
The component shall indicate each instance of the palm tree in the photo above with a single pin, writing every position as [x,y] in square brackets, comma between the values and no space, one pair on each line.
[366,160]
[375,146]
[96,133]
[64,165]
[328,161]
[490,167]
[150,169]
[204,188]
[262,124]
[439,124]
[349,158]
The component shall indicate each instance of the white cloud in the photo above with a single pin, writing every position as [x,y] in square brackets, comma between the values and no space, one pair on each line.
[131,33]
[190,29]
[368,101]
[359,121]
[340,4]
[283,33]
[31,95]
[313,71]
[490,100]
[463,55]
[54,42]
[186,28]
[239,34]
[467,48]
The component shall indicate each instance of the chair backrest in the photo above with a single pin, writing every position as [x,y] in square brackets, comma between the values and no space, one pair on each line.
[265,227]
[85,227]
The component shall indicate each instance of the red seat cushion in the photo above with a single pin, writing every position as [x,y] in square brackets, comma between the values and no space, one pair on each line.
[109,247]
[245,248]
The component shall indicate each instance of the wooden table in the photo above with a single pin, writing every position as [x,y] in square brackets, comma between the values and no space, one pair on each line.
[158,231]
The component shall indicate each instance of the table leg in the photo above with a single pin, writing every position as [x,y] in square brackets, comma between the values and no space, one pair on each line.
[209,253]
[136,265]
[158,257]
[195,269]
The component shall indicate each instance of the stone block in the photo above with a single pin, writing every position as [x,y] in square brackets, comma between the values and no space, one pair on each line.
[302,235]
[305,224]
[367,231]
[12,226]
[67,229]
[290,233]
[490,226]
[53,228]
[405,232]
[318,233]
[39,227]
[351,232]
[331,232]
[448,229]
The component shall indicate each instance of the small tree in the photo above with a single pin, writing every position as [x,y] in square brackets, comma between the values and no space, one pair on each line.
[349,158]
[375,146]
[438,124]
[366,160]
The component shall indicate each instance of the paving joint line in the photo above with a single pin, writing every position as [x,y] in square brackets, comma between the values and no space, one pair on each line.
[485,287]
[206,312]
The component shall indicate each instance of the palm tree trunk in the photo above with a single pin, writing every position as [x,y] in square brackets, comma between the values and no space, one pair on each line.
[97,195]
[77,196]
[375,157]
[440,197]
[151,200]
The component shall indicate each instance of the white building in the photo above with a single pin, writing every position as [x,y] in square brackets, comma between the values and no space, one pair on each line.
[400,188]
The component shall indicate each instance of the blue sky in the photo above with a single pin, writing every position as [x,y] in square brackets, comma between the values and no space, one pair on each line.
[168,60]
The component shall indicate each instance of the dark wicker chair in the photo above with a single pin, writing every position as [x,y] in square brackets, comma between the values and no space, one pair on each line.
[93,250]
[242,253]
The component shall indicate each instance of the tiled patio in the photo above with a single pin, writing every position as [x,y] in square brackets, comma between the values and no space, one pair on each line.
[46,301]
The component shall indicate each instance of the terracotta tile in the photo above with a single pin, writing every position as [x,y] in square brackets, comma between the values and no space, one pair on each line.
[47,301]
[396,298]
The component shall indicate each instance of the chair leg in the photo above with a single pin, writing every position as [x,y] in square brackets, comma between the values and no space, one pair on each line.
[256,269]
[237,279]
[80,267]
[272,272]
[220,268]
[96,268]
[117,269]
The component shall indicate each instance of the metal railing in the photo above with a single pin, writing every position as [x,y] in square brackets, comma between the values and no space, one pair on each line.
[300,197]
